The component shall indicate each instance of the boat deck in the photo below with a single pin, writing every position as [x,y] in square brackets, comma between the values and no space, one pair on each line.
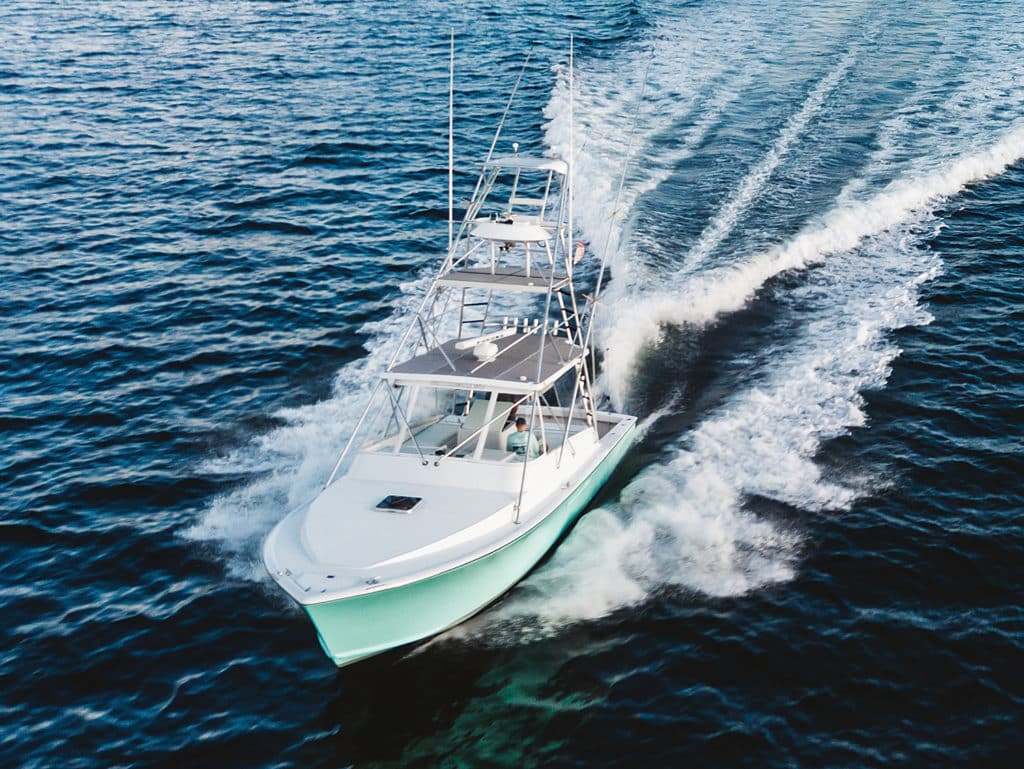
[345,545]
[345,527]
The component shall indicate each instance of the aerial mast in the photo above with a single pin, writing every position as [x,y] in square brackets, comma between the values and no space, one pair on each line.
[451,142]
[571,235]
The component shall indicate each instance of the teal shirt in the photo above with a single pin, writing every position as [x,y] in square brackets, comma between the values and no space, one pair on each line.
[518,442]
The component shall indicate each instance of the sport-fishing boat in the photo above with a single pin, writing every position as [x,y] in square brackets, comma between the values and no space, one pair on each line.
[481,443]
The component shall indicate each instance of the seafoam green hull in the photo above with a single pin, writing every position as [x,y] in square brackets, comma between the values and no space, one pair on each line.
[354,628]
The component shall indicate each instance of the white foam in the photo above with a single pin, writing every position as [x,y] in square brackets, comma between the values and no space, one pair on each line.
[703,297]
[684,523]
[686,83]
[290,462]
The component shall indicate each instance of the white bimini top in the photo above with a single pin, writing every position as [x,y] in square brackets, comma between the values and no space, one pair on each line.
[511,232]
[528,163]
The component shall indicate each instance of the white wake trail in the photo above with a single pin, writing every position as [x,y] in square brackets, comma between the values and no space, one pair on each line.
[689,522]
[754,182]
[685,524]
[598,154]
[291,462]
[705,296]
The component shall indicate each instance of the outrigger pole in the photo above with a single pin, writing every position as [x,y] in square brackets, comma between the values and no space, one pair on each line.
[451,142]
[571,239]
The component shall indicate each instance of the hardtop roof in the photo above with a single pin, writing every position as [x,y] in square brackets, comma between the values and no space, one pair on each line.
[528,163]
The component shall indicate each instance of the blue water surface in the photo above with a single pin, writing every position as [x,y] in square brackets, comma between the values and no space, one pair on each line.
[216,218]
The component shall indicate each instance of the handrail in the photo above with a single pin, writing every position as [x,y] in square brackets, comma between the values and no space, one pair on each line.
[351,438]
[526,460]
[556,421]
[572,407]
[439,344]
[464,259]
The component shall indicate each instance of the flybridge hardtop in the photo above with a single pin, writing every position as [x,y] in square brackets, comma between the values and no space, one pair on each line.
[479,445]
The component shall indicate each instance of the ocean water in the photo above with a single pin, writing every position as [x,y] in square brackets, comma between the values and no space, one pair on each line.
[216,218]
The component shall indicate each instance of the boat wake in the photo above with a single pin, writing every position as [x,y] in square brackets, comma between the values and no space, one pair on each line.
[754,182]
[714,292]
[687,523]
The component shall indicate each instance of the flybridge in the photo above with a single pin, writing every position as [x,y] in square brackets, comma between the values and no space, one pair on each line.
[515,237]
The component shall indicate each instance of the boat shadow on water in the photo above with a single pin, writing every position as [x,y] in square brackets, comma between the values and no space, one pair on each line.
[458,696]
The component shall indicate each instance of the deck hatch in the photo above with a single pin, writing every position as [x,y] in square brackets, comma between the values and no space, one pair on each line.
[394,503]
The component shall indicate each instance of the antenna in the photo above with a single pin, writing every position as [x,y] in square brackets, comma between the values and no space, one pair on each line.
[451,142]
[572,152]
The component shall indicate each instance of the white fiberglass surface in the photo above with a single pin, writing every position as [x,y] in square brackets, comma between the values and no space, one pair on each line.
[345,527]
[545,164]
[512,232]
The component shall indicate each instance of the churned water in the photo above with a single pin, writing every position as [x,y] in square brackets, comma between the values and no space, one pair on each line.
[216,218]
